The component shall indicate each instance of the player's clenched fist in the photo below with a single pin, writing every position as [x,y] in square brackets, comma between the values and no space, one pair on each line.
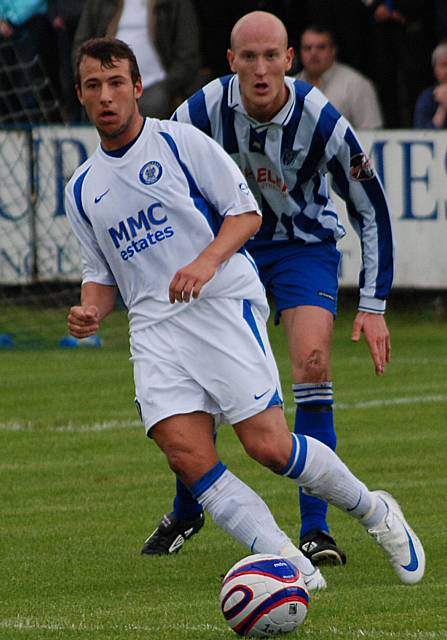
[83,321]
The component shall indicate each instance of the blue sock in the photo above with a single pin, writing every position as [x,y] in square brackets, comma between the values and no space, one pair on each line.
[314,417]
[186,506]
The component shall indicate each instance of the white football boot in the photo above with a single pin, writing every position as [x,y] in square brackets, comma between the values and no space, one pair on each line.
[313,578]
[314,581]
[399,541]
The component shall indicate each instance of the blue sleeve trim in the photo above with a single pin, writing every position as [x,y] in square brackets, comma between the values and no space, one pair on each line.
[77,192]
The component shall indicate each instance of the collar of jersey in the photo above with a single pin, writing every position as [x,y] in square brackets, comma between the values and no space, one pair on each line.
[117,154]
[282,117]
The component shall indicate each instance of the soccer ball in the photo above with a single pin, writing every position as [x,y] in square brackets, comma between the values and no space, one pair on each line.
[264,595]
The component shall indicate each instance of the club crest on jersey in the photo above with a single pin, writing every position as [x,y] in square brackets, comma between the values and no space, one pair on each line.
[361,168]
[151,172]
[288,156]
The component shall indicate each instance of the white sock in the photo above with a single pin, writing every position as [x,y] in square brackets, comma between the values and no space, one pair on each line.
[243,514]
[321,473]
[376,514]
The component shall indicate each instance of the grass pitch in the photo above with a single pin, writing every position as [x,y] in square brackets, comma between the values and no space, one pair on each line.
[81,488]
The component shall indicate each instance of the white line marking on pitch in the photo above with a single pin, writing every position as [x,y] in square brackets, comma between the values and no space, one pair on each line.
[132,424]
[382,402]
[28,624]
[74,428]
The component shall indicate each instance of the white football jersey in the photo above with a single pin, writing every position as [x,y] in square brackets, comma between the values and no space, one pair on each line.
[142,216]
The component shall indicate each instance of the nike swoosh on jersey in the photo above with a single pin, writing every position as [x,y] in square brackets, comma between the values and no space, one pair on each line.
[100,197]
[261,395]
[414,563]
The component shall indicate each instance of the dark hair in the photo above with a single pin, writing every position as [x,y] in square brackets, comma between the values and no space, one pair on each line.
[321,29]
[105,49]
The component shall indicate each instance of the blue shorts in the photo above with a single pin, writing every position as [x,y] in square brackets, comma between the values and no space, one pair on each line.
[298,274]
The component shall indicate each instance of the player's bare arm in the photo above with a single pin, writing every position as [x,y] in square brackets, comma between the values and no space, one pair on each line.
[97,301]
[377,335]
[233,234]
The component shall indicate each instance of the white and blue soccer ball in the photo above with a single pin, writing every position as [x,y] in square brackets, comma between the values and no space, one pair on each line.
[264,595]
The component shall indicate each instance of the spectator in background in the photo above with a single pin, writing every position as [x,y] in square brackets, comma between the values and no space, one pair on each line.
[64,16]
[431,106]
[164,37]
[28,69]
[348,90]
[349,21]
[402,33]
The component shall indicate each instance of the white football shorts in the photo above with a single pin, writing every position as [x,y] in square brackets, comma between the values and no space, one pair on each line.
[214,356]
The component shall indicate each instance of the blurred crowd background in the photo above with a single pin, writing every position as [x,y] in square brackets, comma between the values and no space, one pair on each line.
[182,44]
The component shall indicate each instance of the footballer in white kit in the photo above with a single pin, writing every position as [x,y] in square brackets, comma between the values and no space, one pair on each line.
[139,217]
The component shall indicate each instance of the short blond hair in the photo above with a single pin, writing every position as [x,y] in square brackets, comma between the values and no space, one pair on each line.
[439,52]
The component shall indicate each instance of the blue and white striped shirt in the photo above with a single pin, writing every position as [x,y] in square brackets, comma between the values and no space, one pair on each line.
[285,162]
